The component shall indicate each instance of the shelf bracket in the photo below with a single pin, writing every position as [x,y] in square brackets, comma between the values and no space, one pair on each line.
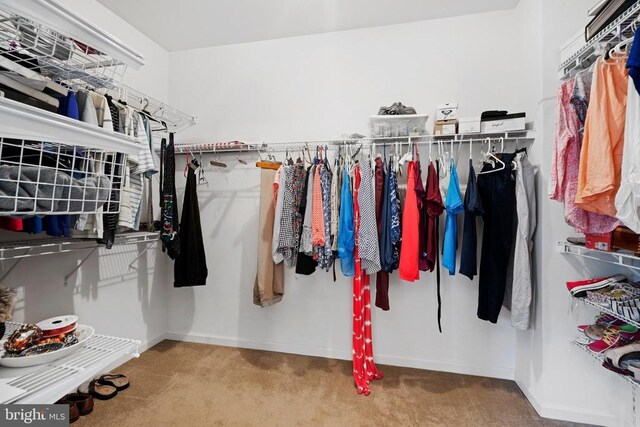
[14,265]
[77,267]
[144,251]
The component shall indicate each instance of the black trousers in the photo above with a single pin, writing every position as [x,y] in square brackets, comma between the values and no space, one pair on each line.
[497,190]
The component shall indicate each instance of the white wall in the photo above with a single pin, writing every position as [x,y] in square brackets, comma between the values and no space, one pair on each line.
[105,294]
[317,87]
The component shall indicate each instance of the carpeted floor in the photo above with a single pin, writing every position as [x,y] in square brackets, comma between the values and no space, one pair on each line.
[185,384]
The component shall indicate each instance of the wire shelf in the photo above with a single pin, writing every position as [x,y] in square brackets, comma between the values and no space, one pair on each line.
[51,246]
[609,311]
[51,178]
[600,358]
[47,383]
[60,58]
[239,147]
[622,259]
[623,25]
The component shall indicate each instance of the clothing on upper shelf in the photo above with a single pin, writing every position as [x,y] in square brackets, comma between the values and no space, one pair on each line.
[627,199]
[453,205]
[573,98]
[601,153]
[190,267]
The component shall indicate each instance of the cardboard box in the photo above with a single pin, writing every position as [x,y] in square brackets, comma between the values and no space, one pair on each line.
[448,111]
[469,125]
[600,242]
[446,127]
[509,122]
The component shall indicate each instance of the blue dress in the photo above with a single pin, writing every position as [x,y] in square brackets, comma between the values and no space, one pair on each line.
[346,230]
[453,204]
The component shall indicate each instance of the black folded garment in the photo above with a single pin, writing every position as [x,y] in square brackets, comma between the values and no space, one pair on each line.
[493,115]
[396,109]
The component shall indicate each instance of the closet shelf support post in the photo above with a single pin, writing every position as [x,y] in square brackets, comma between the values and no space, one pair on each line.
[140,255]
[14,265]
[77,267]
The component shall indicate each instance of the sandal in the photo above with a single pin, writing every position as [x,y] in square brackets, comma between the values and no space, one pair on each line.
[119,381]
[84,402]
[622,357]
[74,412]
[97,390]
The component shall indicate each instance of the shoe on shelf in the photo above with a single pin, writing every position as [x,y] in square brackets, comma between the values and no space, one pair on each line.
[596,332]
[624,356]
[579,288]
[74,412]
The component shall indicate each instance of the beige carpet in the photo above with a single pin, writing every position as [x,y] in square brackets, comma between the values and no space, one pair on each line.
[182,384]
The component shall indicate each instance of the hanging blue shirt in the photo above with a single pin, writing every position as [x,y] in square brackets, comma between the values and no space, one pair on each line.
[346,228]
[633,62]
[453,204]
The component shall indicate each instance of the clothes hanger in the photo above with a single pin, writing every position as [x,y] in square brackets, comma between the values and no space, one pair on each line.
[501,164]
[217,163]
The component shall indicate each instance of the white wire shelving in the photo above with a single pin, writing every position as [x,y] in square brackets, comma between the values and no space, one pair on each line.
[622,26]
[608,310]
[45,42]
[623,259]
[517,137]
[48,383]
[20,250]
[600,358]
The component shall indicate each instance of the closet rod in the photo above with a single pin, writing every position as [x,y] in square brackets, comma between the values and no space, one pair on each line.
[520,136]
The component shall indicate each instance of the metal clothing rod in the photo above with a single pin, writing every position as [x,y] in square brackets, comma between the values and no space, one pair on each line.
[513,136]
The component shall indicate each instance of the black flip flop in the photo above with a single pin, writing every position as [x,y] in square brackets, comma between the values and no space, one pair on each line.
[119,381]
[98,390]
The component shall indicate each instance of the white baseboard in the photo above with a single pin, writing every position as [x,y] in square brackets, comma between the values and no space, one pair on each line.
[146,345]
[569,413]
[433,365]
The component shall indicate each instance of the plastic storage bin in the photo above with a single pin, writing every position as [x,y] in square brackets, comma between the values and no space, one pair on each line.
[400,125]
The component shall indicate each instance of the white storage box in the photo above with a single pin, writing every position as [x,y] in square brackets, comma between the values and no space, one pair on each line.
[469,125]
[398,125]
[448,111]
[510,122]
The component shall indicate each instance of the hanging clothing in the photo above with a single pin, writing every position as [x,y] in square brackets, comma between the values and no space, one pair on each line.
[268,286]
[317,214]
[382,277]
[305,264]
[409,254]
[627,199]
[572,101]
[190,268]
[279,185]
[453,204]
[368,231]
[434,208]
[325,254]
[521,284]
[633,63]
[602,146]
[103,113]
[472,209]
[364,368]
[421,197]
[169,201]
[284,241]
[306,238]
[335,207]
[346,233]
[497,190]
